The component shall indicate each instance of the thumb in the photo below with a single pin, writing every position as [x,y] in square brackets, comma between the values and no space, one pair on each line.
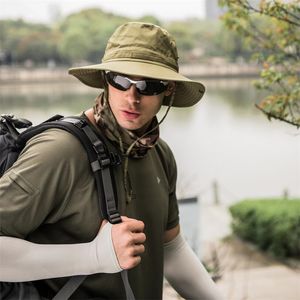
[126,219]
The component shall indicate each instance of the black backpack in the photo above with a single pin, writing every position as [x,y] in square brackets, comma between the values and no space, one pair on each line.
[12,141]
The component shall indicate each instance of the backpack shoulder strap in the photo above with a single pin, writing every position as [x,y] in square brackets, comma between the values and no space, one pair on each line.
[100,159]
[69,287]
[101,162]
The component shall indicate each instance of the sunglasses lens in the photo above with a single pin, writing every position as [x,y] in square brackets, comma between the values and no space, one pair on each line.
[151,87]
[118,81]
[147,87]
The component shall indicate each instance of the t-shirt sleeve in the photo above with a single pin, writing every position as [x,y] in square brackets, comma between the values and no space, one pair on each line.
[36,188]
[169,163]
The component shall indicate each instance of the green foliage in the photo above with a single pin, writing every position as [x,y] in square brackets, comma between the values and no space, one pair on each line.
[150,19]
[85,34]
[24,40]
[182,35]
[81,38]
[272,31]
[229,44]
[273,225]
[198,40]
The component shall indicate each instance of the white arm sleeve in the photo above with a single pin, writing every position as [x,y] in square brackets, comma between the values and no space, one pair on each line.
[21,260]
[186,274]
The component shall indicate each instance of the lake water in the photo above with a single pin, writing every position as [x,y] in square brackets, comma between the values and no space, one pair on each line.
[223,139]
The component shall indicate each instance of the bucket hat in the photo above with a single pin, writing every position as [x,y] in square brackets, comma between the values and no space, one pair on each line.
[143,50]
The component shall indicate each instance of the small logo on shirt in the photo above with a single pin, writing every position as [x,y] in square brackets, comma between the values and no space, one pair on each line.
[158,179]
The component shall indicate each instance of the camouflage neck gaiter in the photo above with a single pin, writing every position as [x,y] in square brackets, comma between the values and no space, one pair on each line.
[130,144]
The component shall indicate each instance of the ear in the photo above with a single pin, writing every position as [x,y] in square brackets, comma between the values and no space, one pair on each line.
[170,89]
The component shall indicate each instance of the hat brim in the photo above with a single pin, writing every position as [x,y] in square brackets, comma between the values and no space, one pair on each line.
[188,92]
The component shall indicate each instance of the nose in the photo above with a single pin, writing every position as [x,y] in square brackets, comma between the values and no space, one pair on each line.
[133,95]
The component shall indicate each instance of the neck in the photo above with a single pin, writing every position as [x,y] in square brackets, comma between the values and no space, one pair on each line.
[141,131]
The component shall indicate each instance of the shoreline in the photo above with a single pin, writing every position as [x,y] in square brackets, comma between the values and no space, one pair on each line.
[16,74]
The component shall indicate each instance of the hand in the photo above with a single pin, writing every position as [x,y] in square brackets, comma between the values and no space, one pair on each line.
[128,239]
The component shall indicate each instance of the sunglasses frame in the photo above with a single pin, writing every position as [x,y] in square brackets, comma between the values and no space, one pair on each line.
[110,79]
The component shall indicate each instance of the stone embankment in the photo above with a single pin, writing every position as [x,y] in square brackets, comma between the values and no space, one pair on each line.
[245,273]
[220,70]
[20,74]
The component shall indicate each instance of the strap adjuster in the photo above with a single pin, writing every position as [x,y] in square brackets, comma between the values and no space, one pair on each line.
[100,164]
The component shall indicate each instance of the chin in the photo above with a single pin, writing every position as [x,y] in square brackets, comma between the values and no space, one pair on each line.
[130,127]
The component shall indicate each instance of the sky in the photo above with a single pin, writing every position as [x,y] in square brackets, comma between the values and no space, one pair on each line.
[45,10]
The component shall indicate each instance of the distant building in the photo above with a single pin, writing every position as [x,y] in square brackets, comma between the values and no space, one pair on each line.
[212,10]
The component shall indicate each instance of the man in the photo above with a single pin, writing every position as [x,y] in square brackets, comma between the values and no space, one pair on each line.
[49,197]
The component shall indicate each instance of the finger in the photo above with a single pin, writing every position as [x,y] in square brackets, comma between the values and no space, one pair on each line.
[138,250]
[124,219]
[139,238]
[134,225]
[134,261]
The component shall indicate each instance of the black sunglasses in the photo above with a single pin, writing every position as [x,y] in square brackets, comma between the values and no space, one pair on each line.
[147,87]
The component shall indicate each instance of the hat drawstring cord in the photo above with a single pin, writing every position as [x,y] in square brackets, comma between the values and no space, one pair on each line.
[129,193]
[147,133]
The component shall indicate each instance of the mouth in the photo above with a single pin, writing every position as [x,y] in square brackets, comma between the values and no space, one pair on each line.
[130,115]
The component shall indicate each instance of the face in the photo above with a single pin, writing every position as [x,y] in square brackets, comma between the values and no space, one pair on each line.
[132,110]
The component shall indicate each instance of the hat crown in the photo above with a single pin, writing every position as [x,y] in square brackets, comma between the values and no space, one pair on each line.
[135,41]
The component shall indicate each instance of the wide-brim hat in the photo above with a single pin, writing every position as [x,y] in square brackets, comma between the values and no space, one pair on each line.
[143,50]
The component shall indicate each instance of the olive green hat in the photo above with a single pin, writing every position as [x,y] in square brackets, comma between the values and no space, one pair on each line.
[143,50]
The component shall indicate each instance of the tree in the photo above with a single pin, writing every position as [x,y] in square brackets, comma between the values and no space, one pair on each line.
[272,30]
[226,43]
[85,34]
[150,19]
[28,41]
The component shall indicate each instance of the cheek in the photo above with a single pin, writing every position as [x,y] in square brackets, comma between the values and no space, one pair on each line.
[157,108]
[114,98]
[112,105]
[154,107]
[159,103]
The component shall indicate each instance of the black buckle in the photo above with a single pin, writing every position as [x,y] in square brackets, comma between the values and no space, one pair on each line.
[114,217]
[18,123]
[100,164]
[115,159]
[99,147]
[104,162]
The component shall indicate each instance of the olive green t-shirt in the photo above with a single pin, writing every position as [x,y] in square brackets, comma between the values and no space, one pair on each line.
[49,196]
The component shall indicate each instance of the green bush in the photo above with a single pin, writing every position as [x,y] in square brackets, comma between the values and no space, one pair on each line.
[272,224]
